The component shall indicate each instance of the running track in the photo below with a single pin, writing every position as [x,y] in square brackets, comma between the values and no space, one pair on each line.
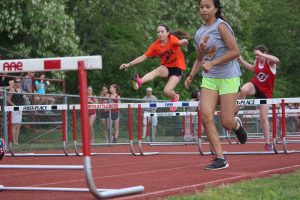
[161,175]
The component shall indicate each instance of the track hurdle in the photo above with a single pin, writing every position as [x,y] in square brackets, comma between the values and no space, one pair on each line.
[33,108]
[252,102]
[163,105]
[69,63]
[75,107]
[183,114]
[272,102]
[283,123]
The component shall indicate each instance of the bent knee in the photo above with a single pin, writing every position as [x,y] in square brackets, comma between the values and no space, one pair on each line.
[229,124]
[167,92]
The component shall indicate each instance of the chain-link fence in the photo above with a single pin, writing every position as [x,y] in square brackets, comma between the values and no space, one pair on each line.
[43,129]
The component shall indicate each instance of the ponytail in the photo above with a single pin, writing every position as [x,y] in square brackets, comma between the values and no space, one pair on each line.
[180,34]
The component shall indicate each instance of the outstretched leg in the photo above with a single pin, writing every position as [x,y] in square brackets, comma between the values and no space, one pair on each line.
[160,71]
[169,87]
[247,90]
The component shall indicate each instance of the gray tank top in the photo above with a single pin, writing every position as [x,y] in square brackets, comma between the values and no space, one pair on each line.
[216,48]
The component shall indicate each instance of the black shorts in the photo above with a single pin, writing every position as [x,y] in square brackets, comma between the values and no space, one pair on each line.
[104,115]
[258,94]
[174,71]
[114,116]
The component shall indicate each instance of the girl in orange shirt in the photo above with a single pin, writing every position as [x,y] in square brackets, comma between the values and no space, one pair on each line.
[167,48]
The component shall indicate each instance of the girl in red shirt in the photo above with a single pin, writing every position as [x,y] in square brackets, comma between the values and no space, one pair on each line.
[262,84]
[104,113]
[167,48]
[115,114]
[92,112]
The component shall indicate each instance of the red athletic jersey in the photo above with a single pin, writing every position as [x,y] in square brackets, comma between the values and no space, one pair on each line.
[116,101]
[264,79]
[92,111]
[170,53]
[103,100]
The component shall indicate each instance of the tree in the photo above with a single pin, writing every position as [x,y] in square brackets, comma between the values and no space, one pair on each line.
[122,30]
[279,30]
[36,28]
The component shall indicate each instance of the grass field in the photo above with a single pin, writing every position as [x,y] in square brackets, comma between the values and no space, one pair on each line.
[281,187]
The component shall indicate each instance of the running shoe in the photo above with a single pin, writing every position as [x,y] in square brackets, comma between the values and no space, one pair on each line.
[241,133]
[268,147]
[2,148]
[136,82]
[217,164]
[173,109]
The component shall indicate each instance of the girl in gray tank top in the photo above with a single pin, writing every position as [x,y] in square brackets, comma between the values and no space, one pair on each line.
[215,48]
[217,54]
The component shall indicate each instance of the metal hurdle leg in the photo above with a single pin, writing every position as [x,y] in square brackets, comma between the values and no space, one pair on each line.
[283,127]
[10,146]
[274,128]
[98,193]
[139,134]
[198,143]
[86,145]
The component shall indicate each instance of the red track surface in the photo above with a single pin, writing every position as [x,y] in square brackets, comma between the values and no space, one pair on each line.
[161,175]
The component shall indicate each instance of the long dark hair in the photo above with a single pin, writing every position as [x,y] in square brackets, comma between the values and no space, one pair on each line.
[218,14]
[117,88]
[179,34]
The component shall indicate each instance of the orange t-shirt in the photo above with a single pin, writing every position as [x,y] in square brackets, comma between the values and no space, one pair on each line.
[170,53]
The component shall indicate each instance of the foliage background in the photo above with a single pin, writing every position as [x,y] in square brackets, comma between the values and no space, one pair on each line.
[121,30]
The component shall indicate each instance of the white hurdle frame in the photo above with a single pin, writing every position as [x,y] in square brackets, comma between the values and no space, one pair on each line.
[161,105]
[273,102]
[248,102]
[32,108]
[68,63]
[75,107]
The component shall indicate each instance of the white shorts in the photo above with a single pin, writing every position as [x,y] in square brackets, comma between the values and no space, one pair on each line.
[17,117]
[151,119]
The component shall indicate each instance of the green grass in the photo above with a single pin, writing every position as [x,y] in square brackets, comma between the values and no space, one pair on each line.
[281,187]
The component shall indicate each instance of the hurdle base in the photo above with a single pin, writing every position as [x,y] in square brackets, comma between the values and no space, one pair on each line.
[105,193]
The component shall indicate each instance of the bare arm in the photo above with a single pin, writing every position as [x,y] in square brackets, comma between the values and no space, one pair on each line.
[138,60]
[92,100]
[183,42]
[272,60]
[9,97]
[230,42]
[247,65]
[196,68]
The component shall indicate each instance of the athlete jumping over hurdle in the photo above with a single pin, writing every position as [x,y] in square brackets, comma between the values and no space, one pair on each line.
[167,48]
[261,85]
